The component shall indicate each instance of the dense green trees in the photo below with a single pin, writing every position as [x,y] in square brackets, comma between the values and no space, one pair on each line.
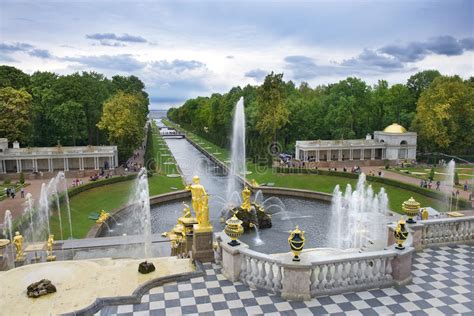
[67,108]
[347,109]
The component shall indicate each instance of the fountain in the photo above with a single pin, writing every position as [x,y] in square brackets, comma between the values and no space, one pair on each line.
[140,206]
[7,225]
[29,214]
[358,217]
[450,170]
[237,164]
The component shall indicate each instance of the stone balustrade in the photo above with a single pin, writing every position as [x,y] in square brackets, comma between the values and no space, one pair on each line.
[447,230]
[351,272]
[262,271]
[338,273]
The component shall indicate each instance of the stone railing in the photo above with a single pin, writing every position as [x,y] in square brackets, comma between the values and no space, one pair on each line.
[352,272]
[262,271]
[447,230]
[306,279]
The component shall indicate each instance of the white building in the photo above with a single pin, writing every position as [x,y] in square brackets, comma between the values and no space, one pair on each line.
[394,143]
[57,158]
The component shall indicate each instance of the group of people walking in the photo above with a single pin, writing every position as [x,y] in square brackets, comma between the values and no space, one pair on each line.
[11,192]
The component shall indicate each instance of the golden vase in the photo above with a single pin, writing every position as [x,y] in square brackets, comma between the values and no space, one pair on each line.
[411,209]
[296,242]
[234,230]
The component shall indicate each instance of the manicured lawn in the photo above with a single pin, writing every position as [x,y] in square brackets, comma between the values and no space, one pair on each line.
[316,182]
[112,196]
[465,172]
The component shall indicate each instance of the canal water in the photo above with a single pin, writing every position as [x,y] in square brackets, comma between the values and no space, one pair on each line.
[311,215]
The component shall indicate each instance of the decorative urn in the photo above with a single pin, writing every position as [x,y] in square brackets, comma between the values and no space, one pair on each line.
[234,230]
[400,234]
[296,241]
[411,208]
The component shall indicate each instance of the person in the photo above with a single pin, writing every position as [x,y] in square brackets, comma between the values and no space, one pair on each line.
[12,193]
[437,185]
[466,186]
[22,193]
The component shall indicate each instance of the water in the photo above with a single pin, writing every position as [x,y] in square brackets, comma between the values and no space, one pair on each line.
[359,217]
[29,213]
[450,170]
[140,210]
[237,164]
[7,225]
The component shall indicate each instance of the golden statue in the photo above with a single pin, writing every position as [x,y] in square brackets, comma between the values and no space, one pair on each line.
[200,202]
[246,199]
[102,217]
[18,242]
[425,214]
[254,183]
[186,211]
[49,249]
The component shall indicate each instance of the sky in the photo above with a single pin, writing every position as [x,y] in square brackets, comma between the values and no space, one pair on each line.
[183,49]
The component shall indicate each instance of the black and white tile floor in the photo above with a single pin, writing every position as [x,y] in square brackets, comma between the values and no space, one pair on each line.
[442,285]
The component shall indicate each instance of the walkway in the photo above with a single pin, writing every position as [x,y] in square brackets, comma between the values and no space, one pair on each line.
[442,285]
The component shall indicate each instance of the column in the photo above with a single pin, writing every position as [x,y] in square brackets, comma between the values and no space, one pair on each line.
[35,165]
[305,156]
[18,166]
[350,154]
[339,155]
[328,156]
[81,163]
[362,154]
[96,163]
[384,153]
[317,155]
[50,164]
[2,166]
[372,154]
[112,163]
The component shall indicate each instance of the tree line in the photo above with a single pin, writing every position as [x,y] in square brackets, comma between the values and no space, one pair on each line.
[439,108]
[47,109]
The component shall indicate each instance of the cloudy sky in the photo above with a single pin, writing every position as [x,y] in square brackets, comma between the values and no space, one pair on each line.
[183,49]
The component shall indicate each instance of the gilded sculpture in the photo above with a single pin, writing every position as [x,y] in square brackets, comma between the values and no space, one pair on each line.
[246,199]
[200,202]
[18,242]
[49,249]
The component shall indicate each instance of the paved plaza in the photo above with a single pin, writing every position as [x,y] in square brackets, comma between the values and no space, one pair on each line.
[442,285]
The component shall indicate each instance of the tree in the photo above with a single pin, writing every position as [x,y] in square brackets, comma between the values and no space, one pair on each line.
[456,178]
[15,106]
[70,122]
[420,81]
[13,77]
[445,116]
[272,114]
[21,179]
[124,119]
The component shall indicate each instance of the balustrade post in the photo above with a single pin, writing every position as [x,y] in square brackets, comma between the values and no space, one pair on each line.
[296,281]
[231,260]
[402,265]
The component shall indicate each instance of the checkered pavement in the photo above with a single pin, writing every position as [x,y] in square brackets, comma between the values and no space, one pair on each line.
[442,285]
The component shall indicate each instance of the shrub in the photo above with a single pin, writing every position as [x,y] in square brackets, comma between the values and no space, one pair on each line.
[22,178]
[456,178]
[7,181]
[432,174]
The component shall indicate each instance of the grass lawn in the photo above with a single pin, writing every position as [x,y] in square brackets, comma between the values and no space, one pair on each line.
[112,196]
[465,172]
[315,182]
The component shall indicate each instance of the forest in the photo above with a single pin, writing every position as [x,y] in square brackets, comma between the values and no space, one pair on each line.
[439,108]
[47,109]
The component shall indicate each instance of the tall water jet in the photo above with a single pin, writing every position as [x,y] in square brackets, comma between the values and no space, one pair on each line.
[62,180]
[7,225]
[43,212]
[141,209]
[358,217]
[450,170]
[237,165]
[29,214]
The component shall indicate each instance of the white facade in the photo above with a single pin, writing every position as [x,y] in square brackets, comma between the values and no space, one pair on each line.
[394,143]
[55,158]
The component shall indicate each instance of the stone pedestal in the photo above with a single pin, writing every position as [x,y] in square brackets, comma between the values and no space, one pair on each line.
[296,281]
[231,260]
[416,231]
[402,265]
[202,244]
[188,223]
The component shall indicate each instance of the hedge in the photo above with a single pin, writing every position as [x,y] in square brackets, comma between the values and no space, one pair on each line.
[402,185]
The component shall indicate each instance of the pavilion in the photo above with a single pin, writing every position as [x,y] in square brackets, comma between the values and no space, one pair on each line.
[49,159]
[393,144]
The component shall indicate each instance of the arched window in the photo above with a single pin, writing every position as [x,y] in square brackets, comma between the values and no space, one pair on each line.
[403,150]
